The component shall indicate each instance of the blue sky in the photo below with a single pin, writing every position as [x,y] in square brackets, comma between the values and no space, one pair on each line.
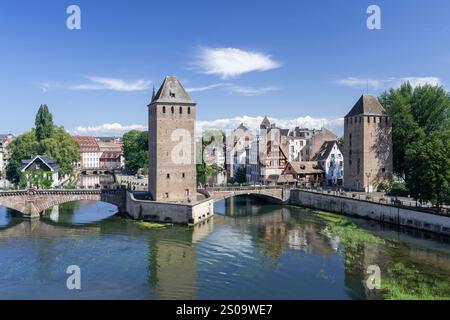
[284,59]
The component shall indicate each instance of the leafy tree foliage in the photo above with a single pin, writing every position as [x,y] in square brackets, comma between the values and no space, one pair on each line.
[44,123]
[135,145]
[420,135]
[240,175]
[55,143]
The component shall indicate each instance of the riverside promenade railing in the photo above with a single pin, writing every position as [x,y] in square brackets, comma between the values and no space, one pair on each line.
[382,199]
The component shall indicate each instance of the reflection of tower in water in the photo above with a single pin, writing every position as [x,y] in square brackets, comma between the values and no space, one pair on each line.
[173,261]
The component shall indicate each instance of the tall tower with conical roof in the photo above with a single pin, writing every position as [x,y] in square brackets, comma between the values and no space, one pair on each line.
[367,145]
[171,128]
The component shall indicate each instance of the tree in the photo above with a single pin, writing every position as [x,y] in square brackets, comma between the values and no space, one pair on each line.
[55,143]
[240,175]
[428,167]
[135,146]
[44,123]
[340,142]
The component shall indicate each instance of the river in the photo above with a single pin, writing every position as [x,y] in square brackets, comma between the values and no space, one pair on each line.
[248,250]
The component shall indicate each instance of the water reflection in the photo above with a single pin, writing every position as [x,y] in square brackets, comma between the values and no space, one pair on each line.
[80,212]
[253,250]
[5,217]
[95,181]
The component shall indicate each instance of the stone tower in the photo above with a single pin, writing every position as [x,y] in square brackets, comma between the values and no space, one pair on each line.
[367,146]
[171,127]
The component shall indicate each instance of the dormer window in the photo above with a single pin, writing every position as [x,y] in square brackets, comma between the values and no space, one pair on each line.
[172,94]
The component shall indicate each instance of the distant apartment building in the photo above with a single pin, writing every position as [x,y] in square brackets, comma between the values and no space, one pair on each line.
[238,150]
[298,139]
[5,140]
[367,145]
[90,152]
[331,160]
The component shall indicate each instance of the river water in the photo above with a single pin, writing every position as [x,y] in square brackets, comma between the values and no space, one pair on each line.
[248,250]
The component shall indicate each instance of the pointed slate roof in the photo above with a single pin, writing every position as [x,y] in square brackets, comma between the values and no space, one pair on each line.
[171,91]
[325,150]
[368,105]
[265,123]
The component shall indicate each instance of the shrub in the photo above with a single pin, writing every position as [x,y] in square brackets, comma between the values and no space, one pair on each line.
[354,195]
[398,189]
[368,197]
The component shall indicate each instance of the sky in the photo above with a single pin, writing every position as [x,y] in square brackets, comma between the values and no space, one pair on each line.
[298,62]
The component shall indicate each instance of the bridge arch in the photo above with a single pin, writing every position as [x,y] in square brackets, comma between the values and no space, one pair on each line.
[33,202]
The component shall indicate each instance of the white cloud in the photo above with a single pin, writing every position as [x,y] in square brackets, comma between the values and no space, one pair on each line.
[225,124]
[420,81]
[253,123]
[103,83]
[232,62]
[251,91]
[212,86]
[107,129]
[361,83]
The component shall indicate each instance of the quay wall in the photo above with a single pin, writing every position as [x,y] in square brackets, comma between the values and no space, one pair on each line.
[371,210]
[168,211]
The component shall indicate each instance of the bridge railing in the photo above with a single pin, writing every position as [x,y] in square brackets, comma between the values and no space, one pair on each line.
[243,188]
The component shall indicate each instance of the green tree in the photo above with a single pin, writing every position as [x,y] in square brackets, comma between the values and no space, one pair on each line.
[135,146]
[340,142]
[59,145]
[428,167]
[240,175]
[44,123]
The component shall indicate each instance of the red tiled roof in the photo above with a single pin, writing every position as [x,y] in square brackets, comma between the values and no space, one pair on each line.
[87,144]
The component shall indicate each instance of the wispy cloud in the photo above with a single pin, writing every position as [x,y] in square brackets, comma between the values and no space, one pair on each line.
[205,88]
[107,129]
[360,83]
[252,91]
[232,62]
[236,89]
[103,83]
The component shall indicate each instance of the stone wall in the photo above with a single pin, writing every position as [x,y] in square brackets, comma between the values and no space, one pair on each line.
[169,212]
[376,211]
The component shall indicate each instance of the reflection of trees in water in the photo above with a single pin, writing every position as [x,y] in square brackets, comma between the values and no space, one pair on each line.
[277,228]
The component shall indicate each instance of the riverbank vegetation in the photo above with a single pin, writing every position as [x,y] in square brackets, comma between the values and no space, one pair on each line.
[404,282]
[152,225]
[349,234]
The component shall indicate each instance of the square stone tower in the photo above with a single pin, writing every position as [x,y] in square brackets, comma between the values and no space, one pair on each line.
[367,145]
[171,128]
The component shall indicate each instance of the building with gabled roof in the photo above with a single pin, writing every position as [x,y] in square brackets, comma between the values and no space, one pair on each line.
[36,170]
[331,159]
[367,145]
[90,152]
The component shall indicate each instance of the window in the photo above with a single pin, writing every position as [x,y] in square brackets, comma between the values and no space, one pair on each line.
[368,119]
[166,195]
[172,109]
[186,191]
[383,170]
[168,176]
[181,110]
[189,110]
[164,109]
[183,175]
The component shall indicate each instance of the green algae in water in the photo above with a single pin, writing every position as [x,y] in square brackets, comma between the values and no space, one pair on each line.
[152,225]
[348,232]
[409,283]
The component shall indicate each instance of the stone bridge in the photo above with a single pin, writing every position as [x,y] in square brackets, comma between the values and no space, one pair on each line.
[32,203]
[275,194]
